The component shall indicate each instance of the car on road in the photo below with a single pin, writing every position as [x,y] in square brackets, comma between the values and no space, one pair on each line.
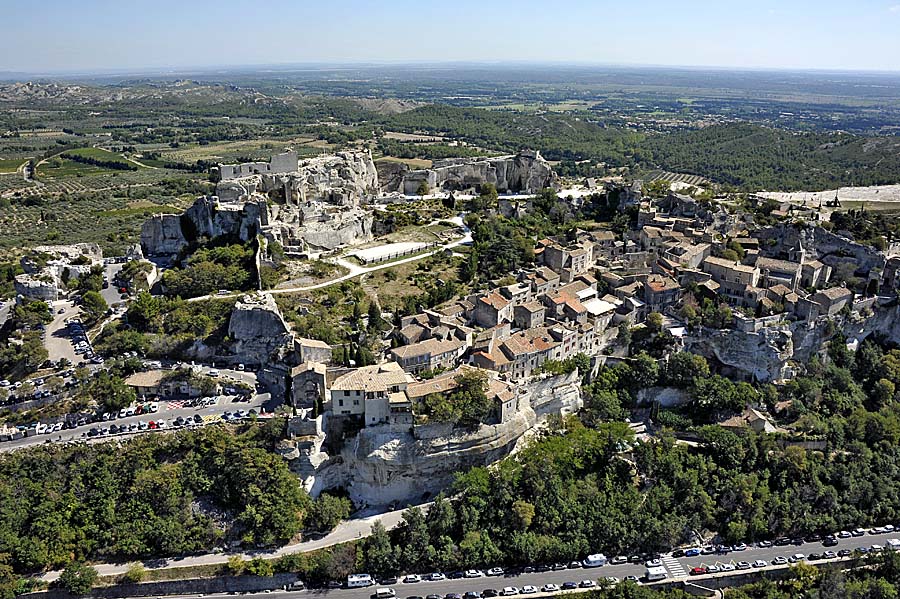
[858,532]
[473,574]
[384,593]
[509,591]
[829,542]
[698,570]
[743,565]
[412,578]
[727,568]
[797,557]
[760,563]
[569,585]
[550,588]
[495,572]
[490,593]
[692,552]
[529,589]
[713,569]
[779,561]
[764,544]
[653,563]
[587,583]
[435,576]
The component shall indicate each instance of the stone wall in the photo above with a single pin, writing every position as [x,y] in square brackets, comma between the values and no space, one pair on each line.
[193,586]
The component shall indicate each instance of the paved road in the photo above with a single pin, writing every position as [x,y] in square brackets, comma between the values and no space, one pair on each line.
[558,577]
[111,294]
[355,271]
[57,340]
[348,530]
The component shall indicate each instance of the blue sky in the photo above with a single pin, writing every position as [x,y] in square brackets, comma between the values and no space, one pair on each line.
[86,35]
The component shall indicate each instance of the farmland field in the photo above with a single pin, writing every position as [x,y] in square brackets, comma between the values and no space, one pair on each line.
[9,165]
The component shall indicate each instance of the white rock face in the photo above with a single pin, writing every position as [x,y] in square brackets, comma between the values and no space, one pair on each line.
[257,329]
[341,179]
[39,287]
[525,172]
[384,464]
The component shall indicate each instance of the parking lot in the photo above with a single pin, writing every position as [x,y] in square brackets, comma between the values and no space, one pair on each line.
[58,336]
[144,417]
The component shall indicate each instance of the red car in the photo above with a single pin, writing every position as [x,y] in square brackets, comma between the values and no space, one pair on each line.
[698,571]
[153,425]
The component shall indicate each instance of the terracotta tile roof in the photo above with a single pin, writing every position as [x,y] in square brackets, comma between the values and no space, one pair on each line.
[379,377]
[494,300]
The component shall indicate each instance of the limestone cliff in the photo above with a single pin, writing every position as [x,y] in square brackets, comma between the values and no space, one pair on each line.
[525,172]
[775,352]
[390,463]
[169,234]
[342,179]
[257,330]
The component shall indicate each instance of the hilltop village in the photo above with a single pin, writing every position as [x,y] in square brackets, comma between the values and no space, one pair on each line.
[756,290]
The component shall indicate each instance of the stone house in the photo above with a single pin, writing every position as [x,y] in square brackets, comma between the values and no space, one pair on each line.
[491,309]
[375,394]
[429,354]
[529,315]
[501,393]
[313,350]
[661,292]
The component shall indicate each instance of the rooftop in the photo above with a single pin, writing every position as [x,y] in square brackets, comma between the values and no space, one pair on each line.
[379,377]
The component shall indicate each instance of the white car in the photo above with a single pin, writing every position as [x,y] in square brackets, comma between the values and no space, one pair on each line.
[154,407]
[797,557]
[495,572]
[411,578]
[473,574]
[550,588]
[587,584]
[529,589]
[161,423]
[760,563]
[727,568]
[435,576]
[509,591]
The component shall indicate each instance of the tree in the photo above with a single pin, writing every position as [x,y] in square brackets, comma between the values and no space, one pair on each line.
[259,567]
[376,322]
[422,189]
[326,512]
[235,565]
[111,392]
[78,578]
[683,367]
[135,573]
[94,305]
[523,513]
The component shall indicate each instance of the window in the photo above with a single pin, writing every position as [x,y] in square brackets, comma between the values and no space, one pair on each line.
[346,394]
[355,402]
[340,403]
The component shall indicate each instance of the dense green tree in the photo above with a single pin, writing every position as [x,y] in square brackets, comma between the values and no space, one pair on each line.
[94,305]
[78,578]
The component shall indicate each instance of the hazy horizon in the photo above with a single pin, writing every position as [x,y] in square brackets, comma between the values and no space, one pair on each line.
[101,36]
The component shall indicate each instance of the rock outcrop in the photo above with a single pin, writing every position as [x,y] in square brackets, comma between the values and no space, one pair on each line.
[169,234]
[341,179]
[775,352]
[525,172]
[384,464]
[257,330]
